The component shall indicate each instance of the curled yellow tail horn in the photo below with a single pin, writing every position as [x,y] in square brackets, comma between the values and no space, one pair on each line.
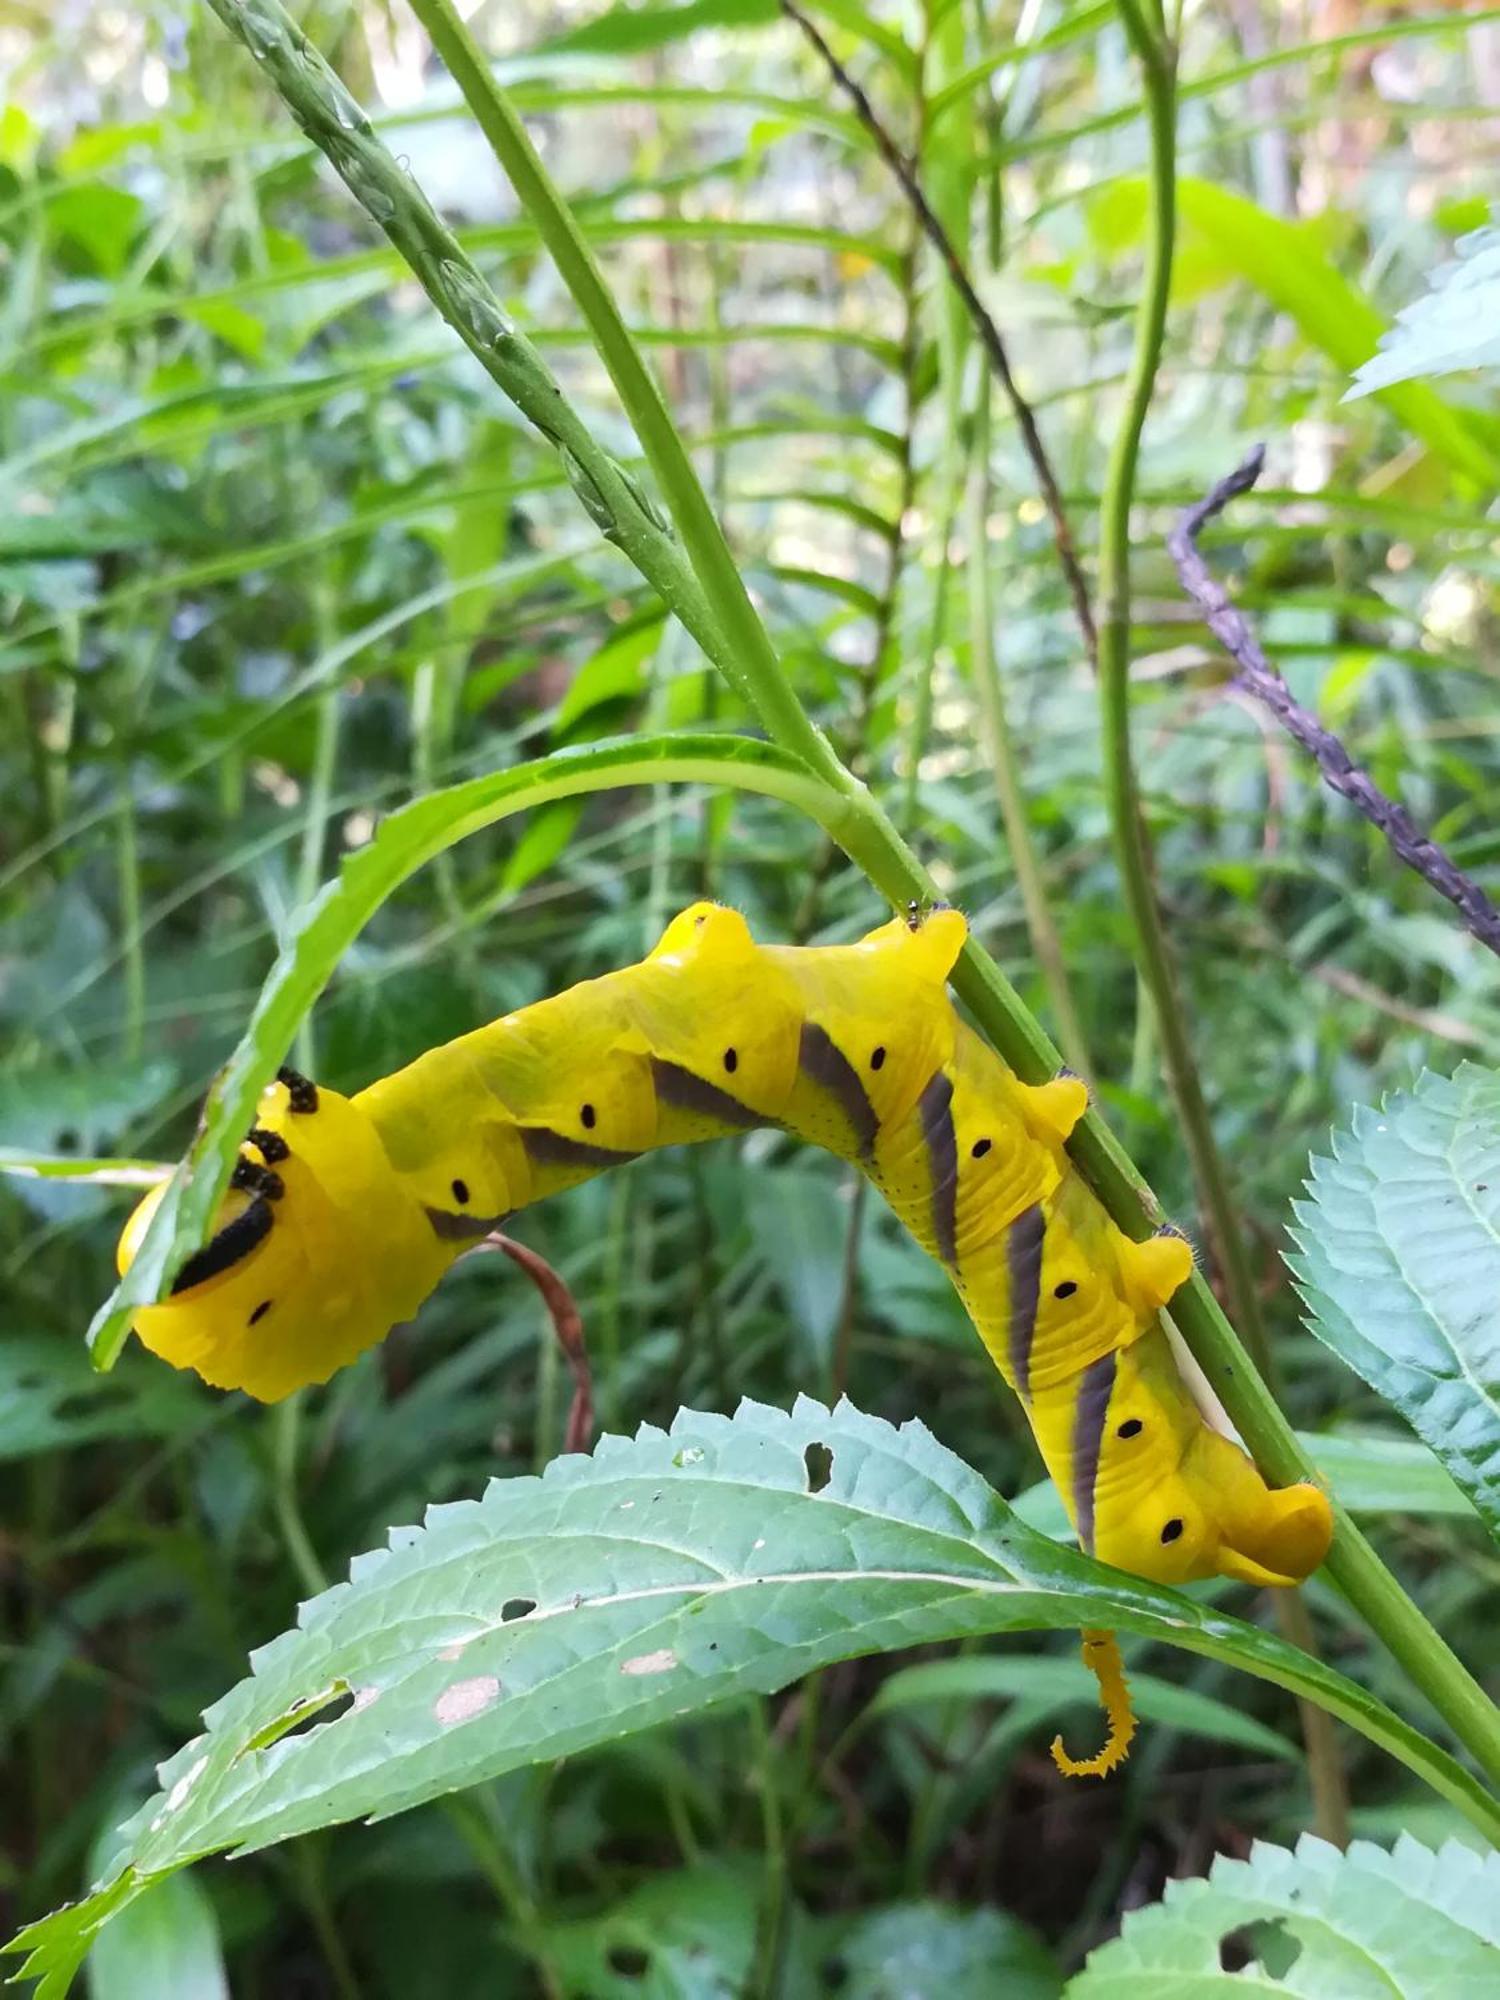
[1101,1656]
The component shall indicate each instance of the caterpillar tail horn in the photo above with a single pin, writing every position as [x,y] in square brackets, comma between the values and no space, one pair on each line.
[1101,1655]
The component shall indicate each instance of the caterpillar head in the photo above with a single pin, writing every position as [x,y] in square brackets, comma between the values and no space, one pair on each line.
[319,1247]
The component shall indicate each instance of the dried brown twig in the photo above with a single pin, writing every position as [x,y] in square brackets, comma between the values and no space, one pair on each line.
[989,334]
[1255,674]
[567,1324]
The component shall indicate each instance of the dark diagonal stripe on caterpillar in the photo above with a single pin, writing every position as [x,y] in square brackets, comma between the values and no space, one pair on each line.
[555,1149]
[820,1058]
[1089,1418]
[1023,1259]
[936,1110]
[685,1091]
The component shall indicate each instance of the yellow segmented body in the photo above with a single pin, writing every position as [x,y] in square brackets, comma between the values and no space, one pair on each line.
[349,1210]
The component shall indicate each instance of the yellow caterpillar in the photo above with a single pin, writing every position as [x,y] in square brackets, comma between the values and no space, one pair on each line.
[344,1213]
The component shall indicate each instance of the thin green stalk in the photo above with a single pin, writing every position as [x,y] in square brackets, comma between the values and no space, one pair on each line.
[1132,847]
[132,955]
[339,127]
[286,1422]
[1157,56]
[1001,751]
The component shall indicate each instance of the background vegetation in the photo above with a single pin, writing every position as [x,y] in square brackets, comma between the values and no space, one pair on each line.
[276,556]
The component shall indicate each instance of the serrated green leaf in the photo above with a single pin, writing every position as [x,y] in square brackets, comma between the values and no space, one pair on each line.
[1453,326]
[1399,1264]
[1365,1925]
[661,1576]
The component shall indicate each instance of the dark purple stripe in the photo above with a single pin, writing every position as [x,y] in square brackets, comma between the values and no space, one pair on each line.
[227,1246]
[821,1058]
[936,1110]
[1089,1419]
[556,1149]
[1023,1258]
[683,1090]
[455,1228]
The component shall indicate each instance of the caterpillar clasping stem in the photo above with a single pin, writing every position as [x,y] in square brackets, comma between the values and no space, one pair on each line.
[1101,1655]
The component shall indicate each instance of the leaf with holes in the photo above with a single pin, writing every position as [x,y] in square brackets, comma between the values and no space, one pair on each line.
[664,1574]
[1315,1922]
[1399,1263]
[683,1935]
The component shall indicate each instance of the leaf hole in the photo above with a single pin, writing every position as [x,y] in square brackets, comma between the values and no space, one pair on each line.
[314,1711]
[516,1607]
[1264,1946]
[818,1460]
[629,1961]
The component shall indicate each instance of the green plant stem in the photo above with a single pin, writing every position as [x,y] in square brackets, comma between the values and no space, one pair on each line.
[131,952]
[1000,750]
[1157,57]
[1132,847]
[337,125]
[286,1423]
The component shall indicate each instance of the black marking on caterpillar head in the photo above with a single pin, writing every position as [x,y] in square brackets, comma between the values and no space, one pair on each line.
[260,1312]
[1132,1427]
[463,1228]
[251,1178]
[1023,1259]
[731,1060]
[1171,1530]
[461,1192]
[685,1091]
[1089,1418]
[1065,1290]
[935,1108]
[821,1059]
[979,1148]
[272,1148]
[556,1149]
[301,1091]
[589,1117]
[227,1246]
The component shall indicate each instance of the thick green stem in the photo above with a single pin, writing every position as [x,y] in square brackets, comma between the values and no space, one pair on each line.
[335,122]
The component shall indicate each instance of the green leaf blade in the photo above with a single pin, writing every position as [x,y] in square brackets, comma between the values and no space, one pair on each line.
[664,1575]
[1399,1264]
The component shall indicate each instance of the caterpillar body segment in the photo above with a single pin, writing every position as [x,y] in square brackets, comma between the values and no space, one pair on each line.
[853,1047]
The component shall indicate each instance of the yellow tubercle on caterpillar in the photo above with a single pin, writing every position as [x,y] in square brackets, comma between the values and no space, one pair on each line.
[1101,1655]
